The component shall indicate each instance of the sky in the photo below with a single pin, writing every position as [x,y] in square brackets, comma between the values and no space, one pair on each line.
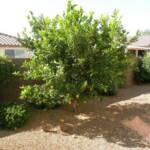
[13,13]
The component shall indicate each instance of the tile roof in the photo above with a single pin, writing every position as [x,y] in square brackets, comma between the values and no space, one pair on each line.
[8,40]
[143,41]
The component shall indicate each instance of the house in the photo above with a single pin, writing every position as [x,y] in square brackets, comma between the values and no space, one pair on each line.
[10,47]
[140,47]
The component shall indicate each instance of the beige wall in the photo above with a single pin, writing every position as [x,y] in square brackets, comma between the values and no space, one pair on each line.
[2,51]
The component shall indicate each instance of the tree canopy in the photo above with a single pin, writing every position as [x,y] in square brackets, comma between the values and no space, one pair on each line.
[75,56]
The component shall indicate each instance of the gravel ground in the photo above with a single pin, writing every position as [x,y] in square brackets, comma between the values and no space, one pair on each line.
[117,123]
[37,140]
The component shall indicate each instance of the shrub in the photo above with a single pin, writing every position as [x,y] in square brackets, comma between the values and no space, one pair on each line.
[38,97]
[142,70]
[6,71]
[75,56]
[13,115]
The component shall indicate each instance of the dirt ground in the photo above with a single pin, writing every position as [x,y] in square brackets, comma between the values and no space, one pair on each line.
[116,123]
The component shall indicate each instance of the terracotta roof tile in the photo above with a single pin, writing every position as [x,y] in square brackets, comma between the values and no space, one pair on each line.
[8,40]
[143,41]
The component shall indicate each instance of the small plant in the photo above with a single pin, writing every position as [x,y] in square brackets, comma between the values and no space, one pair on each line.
[13,115]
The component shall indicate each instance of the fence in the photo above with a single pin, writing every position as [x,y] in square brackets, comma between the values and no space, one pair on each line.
[12,91]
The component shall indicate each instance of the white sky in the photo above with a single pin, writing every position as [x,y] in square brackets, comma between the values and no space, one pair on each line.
[135,13]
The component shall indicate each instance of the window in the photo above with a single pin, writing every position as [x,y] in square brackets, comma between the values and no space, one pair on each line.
[20,54]
[16,53]
[10,53]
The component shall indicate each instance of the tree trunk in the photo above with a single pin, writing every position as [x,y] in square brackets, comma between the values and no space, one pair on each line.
[74,105]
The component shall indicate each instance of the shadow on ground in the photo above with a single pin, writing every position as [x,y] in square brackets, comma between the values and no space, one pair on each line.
[116,122]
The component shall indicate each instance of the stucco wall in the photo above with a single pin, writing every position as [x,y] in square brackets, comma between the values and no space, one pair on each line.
[2,52]
[129,77]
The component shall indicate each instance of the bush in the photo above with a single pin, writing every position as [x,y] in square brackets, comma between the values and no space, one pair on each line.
[75,55]
[38,97]
[142,70]
[6,71]
[13,115]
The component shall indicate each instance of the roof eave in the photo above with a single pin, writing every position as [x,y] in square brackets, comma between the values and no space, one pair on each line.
[130,47]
